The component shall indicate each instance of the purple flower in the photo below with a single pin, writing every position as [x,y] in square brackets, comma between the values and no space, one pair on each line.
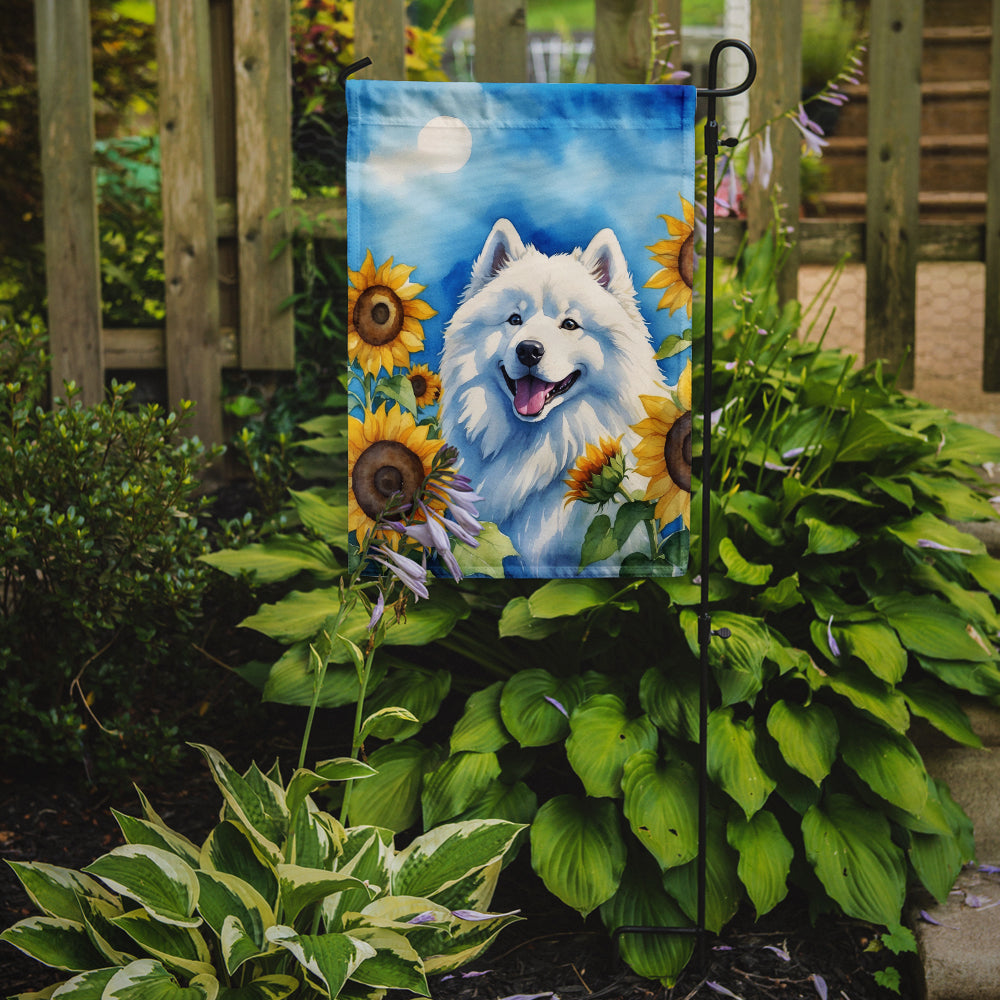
[558,705]
[475,915]
[811,132]
[927,543]
[820,983]
[761,163]
[831,642]
[411,574]
[780,952]
[377,612]
[427,917]
[432,536]
[719,988]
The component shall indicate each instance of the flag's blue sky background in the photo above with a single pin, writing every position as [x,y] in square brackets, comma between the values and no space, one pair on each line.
[433,166]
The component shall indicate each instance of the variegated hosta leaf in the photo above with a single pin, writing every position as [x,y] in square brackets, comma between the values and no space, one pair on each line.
[391,799]
[578,851]
[86,986]
[475,891]
[661,805]
[56,891]
[116,947]
[850,847]
[642,902]
[141,831]
[395,964]
[301,887]
[441,857]
[535,706]
[732,760]
[177,947]
[723,889]
[304,782]
[230,849]
[367,853]
[888,763]
[468,939]
[456,784]
[315,838]
[225,897]
[481,727]
[807,736]
[602,737]
[417,690]
[158,880]
[765,858]
[147,979]
[329,959]
[274,987]
[256,801]
[54,941]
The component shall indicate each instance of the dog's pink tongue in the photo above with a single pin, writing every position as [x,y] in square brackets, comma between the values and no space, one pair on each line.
[530,396]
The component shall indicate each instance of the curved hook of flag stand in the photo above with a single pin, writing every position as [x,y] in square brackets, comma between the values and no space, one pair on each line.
[705,631]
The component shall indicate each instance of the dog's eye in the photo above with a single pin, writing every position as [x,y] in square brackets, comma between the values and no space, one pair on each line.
[569,324]
[514,319]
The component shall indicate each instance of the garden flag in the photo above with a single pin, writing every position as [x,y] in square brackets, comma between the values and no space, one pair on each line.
[521,267]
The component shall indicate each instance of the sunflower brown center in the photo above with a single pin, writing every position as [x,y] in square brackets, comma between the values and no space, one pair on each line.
[685,261]
[378,315]
[419,384]
[677,452]
[383,469]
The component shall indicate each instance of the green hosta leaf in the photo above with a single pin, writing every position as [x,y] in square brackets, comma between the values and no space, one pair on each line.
[760,512]
[957,501]
[301,887]
[941,709]
[438,859]
[602,738]
[391,798]
[279,558]
[975,605]
[893,488]
[481,728]
[765,858]
[738,661]
[671,700]
[225,897]
[486,559]
[330,959]
[807,736]
[159,881]
[965,443]
[260,809]
[395,964]
[142,831]
[870,436]
[986,572]
[54,941]
[559,598]
[456,784]
[888,763]
[876,646]
[732,760]
[850,848]
[827,539]
[230,849]
[327,520]
[723,889]
[418,690]
[147,979]
[866,692]
[292,681]
[937,859]
[304,782]
[517,620]
[528,711]
[56,891]
[661,800]
[783,595]
[180,948]
[738,569]
[932,628]
[641,901]
[274,987]
[578,851]
[976,678]
[928,528]
[516,803]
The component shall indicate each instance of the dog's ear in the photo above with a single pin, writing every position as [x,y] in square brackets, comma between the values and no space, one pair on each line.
[502,246]
[606,262]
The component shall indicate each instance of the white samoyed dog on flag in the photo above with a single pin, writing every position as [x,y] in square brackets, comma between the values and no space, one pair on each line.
[544,355]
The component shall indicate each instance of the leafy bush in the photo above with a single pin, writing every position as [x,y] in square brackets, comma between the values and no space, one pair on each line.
[101,587]
[854,603]
[279,899]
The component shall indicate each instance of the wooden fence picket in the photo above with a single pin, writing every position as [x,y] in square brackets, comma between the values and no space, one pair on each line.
[991,331]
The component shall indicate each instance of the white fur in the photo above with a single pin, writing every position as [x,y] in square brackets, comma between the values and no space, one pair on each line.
[516,460]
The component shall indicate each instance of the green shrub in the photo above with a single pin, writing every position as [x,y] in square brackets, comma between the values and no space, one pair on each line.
[279,900]
[101,584]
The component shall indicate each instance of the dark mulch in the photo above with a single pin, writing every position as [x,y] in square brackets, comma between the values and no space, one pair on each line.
[551,951]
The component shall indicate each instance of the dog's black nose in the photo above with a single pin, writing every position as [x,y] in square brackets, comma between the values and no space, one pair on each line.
[529,352]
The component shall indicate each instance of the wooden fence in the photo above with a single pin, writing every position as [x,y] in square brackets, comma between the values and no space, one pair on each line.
[226,161]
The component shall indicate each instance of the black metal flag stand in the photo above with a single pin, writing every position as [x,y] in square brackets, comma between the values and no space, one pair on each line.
[705,631]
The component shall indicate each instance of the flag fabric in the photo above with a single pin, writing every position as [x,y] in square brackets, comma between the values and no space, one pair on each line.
[521,265]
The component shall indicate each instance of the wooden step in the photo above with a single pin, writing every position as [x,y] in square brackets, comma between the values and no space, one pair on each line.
[946,106]
[956,53]
[958,206]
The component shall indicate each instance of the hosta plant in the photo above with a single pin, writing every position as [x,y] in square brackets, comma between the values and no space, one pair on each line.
[279,900]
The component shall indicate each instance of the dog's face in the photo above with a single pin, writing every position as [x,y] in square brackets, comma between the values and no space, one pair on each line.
[545,331]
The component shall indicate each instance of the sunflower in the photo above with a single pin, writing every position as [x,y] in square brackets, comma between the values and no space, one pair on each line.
[676,276]
[426,385]
[663,453]
[383,316]
[597,475]
[387,453]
